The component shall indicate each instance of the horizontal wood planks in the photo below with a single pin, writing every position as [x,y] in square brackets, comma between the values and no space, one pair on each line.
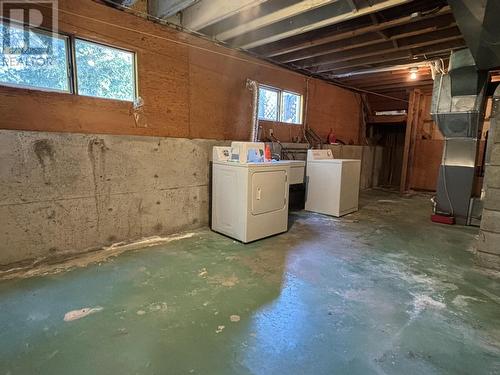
[191,87]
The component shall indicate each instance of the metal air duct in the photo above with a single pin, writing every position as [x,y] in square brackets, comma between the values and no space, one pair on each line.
[457,108]
[478,23]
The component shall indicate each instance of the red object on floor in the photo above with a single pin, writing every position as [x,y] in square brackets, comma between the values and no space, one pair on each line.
[450,220]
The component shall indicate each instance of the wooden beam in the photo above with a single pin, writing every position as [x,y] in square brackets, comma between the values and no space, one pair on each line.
[400,85]
[384,68]
[285,47]
[402,64]
[367,51]
[388,82]
[208,12]
[429,26]
[392,57]
[436,37]
[389,74]
[413,102]
[387,79]
[432,22]
[341,45]
[387,119]
[390,91]
[270,18]
[295,28]
[414,130]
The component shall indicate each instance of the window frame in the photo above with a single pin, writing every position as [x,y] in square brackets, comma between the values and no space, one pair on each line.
[69,61]
[71,71]
[280,93]
[75,70]
[301,100]
[278,102]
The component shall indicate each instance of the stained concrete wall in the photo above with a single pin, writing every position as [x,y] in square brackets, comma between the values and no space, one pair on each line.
[488,246]
[66,193]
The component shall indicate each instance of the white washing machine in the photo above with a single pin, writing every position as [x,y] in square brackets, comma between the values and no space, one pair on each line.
[250,200]
[332,185]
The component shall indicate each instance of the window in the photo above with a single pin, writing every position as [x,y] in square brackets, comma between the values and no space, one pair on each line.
[34,59]
[291,107]
[279,105]
[38,59]
[268,104]
[104,72]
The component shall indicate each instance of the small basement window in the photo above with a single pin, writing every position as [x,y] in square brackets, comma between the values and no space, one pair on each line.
[291,108]
[268,104]
[34,59]
[279,105]
[104,72]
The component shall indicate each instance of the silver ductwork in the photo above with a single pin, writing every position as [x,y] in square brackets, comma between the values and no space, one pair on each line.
[478,23]
[253,86]
[457,108]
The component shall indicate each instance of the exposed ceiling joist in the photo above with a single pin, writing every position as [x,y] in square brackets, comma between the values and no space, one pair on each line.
[399,85]
[421,28]
[387,81]
[386,77]
[341,45]
[366,44]
[287,47]
[208,12]
[387,65]
[279,14]
[393,69]
[316,19]
[429,39]
[391,57]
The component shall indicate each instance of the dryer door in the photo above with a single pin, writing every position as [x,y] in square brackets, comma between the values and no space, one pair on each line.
[268,191]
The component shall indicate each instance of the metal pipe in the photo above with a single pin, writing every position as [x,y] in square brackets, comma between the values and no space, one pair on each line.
[384,69]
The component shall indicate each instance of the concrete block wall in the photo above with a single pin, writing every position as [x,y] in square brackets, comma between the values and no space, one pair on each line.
[488,246]
[63,193]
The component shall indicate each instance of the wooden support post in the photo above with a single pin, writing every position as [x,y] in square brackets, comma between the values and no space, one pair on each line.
[366,112]
[410,138]
[417,116]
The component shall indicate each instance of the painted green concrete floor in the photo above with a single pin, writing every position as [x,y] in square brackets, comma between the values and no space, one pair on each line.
[381,291]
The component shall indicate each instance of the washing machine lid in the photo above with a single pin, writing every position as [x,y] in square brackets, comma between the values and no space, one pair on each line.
[334,161]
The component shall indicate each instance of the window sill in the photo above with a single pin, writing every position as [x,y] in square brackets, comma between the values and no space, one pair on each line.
[279,123]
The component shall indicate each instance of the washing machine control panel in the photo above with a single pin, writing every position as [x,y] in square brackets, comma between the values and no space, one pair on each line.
[319,154]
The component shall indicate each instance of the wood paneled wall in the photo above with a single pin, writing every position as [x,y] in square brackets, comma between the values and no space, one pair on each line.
[191,87]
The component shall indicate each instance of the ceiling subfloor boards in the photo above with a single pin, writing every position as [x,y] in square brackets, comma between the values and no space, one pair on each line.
[333,39]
